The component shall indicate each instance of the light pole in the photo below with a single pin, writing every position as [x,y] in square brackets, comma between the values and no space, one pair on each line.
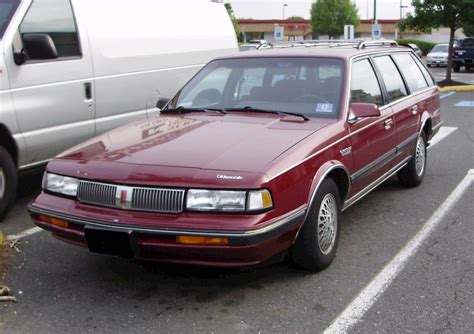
[284,5]
[401,16]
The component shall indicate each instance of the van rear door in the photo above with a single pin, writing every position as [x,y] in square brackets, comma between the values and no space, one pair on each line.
[53,97]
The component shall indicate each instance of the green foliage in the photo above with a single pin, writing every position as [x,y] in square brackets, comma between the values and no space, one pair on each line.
[452,14]
[295,18]
[424,46]
[230,11]
[468,29]
[328,17]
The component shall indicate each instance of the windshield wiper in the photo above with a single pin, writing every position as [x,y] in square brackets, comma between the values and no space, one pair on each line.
[248,108]
[182,109]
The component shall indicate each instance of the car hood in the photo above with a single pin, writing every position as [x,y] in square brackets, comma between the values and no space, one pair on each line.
[232,142]
[437,54]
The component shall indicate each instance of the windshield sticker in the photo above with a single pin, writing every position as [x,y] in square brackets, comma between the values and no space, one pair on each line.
[324,107]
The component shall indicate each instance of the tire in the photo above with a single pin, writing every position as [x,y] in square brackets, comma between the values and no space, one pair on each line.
[312,251]
[429,65]
[8,182]
[412,174]
[456,68]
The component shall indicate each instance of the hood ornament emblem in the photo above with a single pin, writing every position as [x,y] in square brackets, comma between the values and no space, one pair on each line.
[229,177]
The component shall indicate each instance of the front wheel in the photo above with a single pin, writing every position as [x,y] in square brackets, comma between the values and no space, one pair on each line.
[8,182]
[315,247]
[456,68]
[412,174]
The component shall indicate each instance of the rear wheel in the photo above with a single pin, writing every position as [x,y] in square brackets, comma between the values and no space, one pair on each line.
[429,65]
[8,182]
[412,174]
[456,68]
[315,247]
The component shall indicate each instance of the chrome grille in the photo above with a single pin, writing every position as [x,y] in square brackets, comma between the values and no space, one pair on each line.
[96,193]
[131,198]
[158,200]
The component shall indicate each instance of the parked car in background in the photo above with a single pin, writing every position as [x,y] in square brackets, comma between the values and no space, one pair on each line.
[70,70]
[438,56]
[248,47]
[464,54]
[255,156]
[416,49]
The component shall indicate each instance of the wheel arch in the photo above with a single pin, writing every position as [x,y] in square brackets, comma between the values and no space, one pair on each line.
[426,126]
[8,143]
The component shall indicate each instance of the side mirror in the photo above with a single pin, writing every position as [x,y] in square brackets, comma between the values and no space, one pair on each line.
[362,110]
[36,47]
[162,102]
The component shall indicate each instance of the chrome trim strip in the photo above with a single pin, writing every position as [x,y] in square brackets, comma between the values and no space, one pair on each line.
[407,142]
[374,165]
[361,194]
[34,164]
[164,231]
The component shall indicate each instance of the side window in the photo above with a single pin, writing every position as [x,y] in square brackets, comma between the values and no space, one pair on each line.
[55,18]
[391,77]
[412,73]
[365,86]
[425,72]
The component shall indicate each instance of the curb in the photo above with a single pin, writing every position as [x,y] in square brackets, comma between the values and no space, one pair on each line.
[466,88]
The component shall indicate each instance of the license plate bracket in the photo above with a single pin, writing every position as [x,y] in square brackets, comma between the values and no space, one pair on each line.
[103,241]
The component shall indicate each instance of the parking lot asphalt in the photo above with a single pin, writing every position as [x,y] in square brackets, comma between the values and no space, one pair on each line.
[462,76]
[63,288]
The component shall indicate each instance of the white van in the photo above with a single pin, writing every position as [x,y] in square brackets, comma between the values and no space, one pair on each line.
[72,69]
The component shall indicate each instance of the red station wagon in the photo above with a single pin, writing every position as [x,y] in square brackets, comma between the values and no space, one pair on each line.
[254,158]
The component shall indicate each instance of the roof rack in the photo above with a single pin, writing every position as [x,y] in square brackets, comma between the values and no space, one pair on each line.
[332,43]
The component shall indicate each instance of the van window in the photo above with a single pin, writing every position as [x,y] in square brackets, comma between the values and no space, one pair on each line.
[413,76]
[55,18]
[7,8]
[391,77]
[365,86]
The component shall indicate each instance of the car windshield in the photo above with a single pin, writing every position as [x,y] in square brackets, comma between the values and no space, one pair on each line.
[7,8]
[308,86]
[441,48]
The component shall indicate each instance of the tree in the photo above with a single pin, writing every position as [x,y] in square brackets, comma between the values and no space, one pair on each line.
[468,29]
[328,17]
[230,11]
[295,18]
[452,14]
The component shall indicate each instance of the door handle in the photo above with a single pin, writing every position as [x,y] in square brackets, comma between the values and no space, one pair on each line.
[88,91]
[414,110]
[388,123]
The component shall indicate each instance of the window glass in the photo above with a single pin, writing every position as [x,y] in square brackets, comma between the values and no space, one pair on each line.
[55,18]
[391,77]
[365,86]
[425,72]
[413,76]
[7,8]
[277,84]
[468,42]
[441,48]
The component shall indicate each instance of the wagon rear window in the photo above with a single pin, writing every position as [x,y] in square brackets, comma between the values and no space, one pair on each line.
[310,86]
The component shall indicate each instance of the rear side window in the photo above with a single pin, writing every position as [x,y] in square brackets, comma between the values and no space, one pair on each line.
[55,18]
[391,77]
[425,72]
[412,73]
[365,86]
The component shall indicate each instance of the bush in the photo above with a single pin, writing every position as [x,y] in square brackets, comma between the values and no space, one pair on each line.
[424,46]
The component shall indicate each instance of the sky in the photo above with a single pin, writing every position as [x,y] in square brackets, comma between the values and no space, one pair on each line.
[273,9]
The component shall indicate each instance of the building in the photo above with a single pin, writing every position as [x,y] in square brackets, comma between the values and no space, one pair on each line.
[301,30]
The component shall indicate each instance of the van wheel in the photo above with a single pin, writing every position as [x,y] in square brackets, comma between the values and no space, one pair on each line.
[412,174]
[315,247]
[8,182]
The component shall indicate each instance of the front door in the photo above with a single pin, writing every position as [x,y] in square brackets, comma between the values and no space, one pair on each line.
[373,138]
[53,98]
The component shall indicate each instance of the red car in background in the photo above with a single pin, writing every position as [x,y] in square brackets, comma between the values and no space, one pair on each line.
[254,158]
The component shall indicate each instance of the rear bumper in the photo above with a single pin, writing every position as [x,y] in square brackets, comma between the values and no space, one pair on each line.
[245,248]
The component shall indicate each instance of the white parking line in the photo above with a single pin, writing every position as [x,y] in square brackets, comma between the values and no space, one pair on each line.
[442,134]
[446,95]
[369,295]
[14,237]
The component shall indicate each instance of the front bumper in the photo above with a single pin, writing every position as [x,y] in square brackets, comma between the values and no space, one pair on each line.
[244,248]
[439,62]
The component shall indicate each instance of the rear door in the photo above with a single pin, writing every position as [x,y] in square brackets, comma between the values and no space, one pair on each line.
[53,98]
[373,138]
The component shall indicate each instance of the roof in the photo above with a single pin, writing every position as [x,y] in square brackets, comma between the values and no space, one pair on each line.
[303,21]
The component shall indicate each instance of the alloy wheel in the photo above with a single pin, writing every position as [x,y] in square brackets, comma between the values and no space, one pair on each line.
[327,224]
[420,156]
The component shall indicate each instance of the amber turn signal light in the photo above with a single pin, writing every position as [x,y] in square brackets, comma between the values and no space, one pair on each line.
[52,221]
[190,240]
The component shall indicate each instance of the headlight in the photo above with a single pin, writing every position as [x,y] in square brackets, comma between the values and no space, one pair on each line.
[227,200]
[60,184]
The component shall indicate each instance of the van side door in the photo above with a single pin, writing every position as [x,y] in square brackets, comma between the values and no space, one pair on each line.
[53,97]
